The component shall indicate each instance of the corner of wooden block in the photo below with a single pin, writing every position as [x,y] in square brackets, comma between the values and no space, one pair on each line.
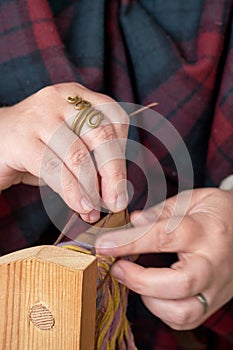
[48,299]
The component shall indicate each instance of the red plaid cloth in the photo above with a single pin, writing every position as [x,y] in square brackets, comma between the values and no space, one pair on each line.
[179,53]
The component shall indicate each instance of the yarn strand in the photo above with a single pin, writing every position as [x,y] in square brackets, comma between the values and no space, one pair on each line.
[113,330]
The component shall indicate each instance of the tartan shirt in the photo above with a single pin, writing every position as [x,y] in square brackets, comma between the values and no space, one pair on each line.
[179,53]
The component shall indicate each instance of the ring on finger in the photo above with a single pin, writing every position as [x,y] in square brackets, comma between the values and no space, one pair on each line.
[87,114]
[203,301]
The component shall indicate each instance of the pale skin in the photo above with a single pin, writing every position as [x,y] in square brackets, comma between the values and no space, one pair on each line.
[203,240]
[37,143]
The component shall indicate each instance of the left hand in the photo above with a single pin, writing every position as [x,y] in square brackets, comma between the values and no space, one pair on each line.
[203,240]
[38,147]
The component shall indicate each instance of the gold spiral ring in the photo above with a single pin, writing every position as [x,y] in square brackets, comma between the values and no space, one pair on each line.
[87,114]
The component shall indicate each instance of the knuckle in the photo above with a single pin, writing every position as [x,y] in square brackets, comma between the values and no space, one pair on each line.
[79,86]
[67,187]
[102,98]
[115,106]
[48,90]
[78,157]
[118,174]
[106,133]
[51,165]
[168,210]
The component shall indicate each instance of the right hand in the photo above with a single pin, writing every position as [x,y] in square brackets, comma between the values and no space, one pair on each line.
[37,143]
[199,228]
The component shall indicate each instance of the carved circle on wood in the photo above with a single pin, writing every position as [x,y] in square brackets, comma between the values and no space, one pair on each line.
[41,317]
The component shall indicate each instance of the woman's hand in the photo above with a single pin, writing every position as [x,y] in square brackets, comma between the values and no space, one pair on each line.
[37,142]
[203,240]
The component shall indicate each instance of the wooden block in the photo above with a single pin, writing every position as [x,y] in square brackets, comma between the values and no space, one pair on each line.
[47,299]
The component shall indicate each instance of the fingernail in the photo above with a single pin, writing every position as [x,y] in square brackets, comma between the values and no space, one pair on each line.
[117,272]
[85,203]
[122,201]
[94,216]
[105,244]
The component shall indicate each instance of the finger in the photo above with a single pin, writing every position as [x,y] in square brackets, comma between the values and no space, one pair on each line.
[61,180]
[76,156]
[174,208]
[109,153]
[30,179]
[109,156]
[108,142]
[42,162]
[91,217]
[181,314]
[182,281]
[160,211]
[15,177]
[187,236]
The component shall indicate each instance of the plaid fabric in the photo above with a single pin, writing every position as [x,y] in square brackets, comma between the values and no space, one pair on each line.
[178,53]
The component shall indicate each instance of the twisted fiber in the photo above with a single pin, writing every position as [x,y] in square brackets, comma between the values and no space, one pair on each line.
[112,327]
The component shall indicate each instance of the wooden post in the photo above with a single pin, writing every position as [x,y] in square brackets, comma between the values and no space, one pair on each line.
[47,299]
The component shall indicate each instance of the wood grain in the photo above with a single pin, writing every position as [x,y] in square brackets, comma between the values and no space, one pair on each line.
[47,300]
